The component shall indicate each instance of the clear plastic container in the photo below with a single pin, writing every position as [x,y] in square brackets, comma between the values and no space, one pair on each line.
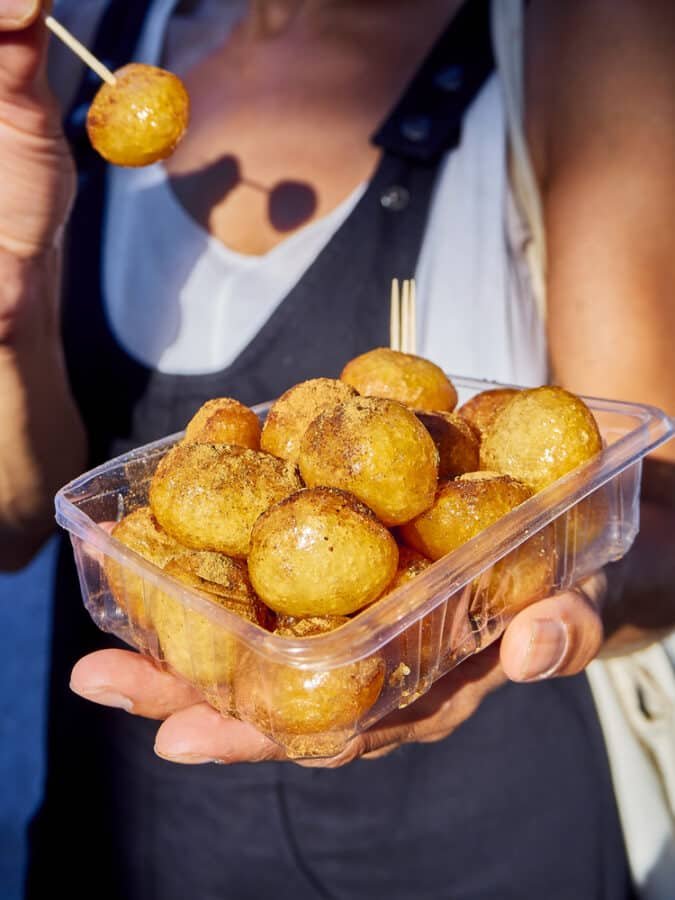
[312,694]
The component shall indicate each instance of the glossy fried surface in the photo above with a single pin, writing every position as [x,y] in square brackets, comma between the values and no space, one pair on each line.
[209,495]
[140,531]
[480,411]
[410,564]
[320,552]
[290,415]
[463,507]
[541,435]
[224,420]
[287,700]
[195,647]
[457,442]
[411,380]
[141,118]
[377,450]
[518,579]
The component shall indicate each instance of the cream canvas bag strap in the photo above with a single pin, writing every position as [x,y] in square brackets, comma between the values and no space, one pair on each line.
[634,695]
[508,40]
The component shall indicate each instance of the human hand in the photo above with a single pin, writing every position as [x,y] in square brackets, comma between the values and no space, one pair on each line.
[556,636]
[36,170]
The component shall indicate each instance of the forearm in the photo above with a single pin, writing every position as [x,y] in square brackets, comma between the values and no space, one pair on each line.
[42,440]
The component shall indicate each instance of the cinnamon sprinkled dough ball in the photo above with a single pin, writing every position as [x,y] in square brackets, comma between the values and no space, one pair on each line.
[224,421]
[320,552]
[540,435]
[293,701]
[209,495]
[377,450]
[457,442]
[462,508]
[140,531]
[481,410]
[196,648]
[411,380]
[290,415]
[141,118]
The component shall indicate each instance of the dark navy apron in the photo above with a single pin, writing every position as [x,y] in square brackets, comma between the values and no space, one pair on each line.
[516,804]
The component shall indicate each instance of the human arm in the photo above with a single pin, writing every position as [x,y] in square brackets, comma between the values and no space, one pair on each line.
[603,138]
[42,442]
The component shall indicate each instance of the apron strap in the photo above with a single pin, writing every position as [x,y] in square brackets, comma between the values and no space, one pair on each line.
[427,121]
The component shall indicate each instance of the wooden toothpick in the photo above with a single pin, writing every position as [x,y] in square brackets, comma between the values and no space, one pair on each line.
[80,50]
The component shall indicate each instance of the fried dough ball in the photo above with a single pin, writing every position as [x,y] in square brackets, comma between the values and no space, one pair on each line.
[292,701]
[518,579]
[377,450]
[141,118]
[307,626]
[224,421]
[140,531]
[463,507]
[540,435]
[410,565]
[290,415]
[191,644]
[457,442]
[320,552]
[209,495]
[412,380]
[480,411]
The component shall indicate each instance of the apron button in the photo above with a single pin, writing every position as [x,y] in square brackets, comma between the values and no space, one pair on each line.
[449,79]
[416,129]
[395,198]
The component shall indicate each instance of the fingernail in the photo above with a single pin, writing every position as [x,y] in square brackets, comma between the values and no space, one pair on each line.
[105,698]
[547,649]
[188,759]
[17,11]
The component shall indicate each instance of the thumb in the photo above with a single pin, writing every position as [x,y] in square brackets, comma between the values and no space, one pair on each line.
[559,635]
[22,47]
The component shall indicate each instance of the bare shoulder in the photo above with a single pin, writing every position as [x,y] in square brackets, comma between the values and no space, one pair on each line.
[596,69]
[601,125]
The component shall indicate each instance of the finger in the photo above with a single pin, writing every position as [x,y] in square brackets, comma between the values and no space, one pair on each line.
[559,635]
[23,39]
[201,734]
[129,681]
[18,14]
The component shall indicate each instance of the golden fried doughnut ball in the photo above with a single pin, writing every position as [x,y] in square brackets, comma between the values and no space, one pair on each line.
[209,495]
[140,531]
[457,442]
[307,626]
[196,648]
[480,411]
[290,415]
[290,701]
[224,421]
[320,552]
[540,435]
[411,380]
[141,118]
[463,507]
[377,450]
[518,579]
[410,565]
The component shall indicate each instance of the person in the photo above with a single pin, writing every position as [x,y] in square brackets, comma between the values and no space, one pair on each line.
[260,254]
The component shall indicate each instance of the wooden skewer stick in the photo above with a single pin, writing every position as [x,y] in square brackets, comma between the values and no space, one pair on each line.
[395,317]
[402,321]
[80,50]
